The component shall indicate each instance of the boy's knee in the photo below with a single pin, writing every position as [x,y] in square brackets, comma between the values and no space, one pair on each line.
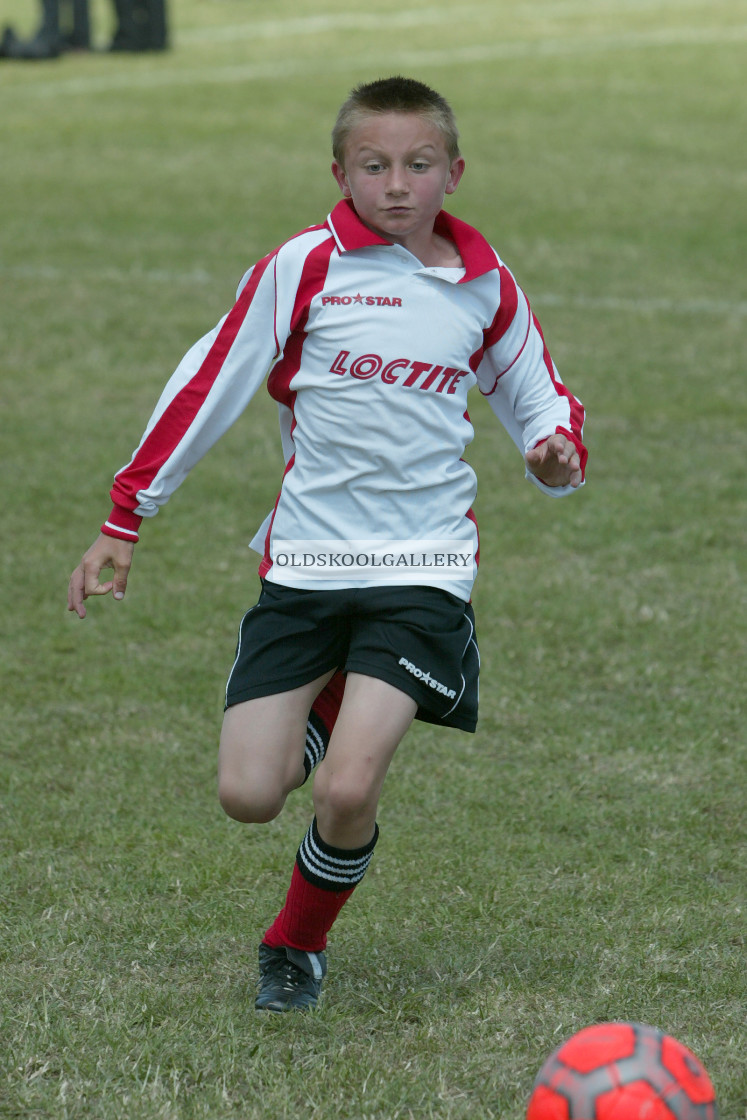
[249,806]
[344,797]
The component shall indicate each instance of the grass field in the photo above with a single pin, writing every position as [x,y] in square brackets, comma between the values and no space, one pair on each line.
[584,856]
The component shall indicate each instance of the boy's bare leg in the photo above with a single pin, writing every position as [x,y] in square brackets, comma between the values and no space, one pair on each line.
[260,759]
[373,720]
[336,850]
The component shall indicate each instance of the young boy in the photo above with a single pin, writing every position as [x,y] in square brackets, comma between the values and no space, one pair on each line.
[370,329]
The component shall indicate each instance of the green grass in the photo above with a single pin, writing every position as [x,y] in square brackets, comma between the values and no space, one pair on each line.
[584,856]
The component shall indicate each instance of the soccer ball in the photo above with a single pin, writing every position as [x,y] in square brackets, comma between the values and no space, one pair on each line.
[622,1071]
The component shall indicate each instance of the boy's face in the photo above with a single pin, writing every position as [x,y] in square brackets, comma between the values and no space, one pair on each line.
[397,171]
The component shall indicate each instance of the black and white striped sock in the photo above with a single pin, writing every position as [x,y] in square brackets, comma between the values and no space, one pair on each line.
[333,869]
[317,741]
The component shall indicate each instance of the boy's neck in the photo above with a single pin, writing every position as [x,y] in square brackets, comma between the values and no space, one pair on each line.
[437,252]
[447,253]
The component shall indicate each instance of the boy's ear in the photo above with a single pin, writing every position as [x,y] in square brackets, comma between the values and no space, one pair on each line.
[342,180]
[455,173]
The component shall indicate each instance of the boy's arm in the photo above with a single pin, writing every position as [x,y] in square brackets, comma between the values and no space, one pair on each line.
[212,384]
[206,394]
[209,389]
[523,388]
[215,381]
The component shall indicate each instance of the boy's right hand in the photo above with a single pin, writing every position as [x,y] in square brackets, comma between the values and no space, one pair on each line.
[105,552]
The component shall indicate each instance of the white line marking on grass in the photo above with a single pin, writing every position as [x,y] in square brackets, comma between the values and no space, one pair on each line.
[199,277]
[280,70]
[421,17]
[634,40]
[334,21]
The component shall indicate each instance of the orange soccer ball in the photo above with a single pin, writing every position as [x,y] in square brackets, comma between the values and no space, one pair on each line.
[622,1071]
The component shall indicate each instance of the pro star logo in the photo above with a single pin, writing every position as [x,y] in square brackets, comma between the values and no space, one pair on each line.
[426,678]
[363,301]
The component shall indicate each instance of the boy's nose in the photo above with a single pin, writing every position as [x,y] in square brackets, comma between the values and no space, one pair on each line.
[397,182]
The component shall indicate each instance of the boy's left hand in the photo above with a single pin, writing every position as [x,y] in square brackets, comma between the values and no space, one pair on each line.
[555,462]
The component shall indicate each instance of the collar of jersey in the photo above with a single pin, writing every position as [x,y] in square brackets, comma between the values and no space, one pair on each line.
[350,233]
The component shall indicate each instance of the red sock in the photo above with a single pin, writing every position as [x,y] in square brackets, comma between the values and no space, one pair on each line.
[307,916]
[323,880]
[327,703]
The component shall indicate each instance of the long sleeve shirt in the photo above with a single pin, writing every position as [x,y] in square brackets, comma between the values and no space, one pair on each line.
[370,356]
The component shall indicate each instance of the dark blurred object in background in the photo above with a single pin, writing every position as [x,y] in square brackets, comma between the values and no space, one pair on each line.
[141,26]
[64,27]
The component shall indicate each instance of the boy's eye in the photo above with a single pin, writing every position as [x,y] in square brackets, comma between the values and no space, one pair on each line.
[373,166]
[419,165]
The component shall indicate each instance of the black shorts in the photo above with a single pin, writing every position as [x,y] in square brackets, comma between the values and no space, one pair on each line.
[419,639]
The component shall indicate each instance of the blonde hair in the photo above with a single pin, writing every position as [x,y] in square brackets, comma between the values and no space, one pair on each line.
[394,95]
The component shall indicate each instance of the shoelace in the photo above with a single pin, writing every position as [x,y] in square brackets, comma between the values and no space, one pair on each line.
[290,976]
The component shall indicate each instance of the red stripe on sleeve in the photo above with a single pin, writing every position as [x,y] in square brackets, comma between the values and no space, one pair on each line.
[174,423]
[313,276]
[576,409]
[504,316]
[507,308]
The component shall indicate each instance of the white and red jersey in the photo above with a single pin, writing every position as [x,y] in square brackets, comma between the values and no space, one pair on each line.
[370,356]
